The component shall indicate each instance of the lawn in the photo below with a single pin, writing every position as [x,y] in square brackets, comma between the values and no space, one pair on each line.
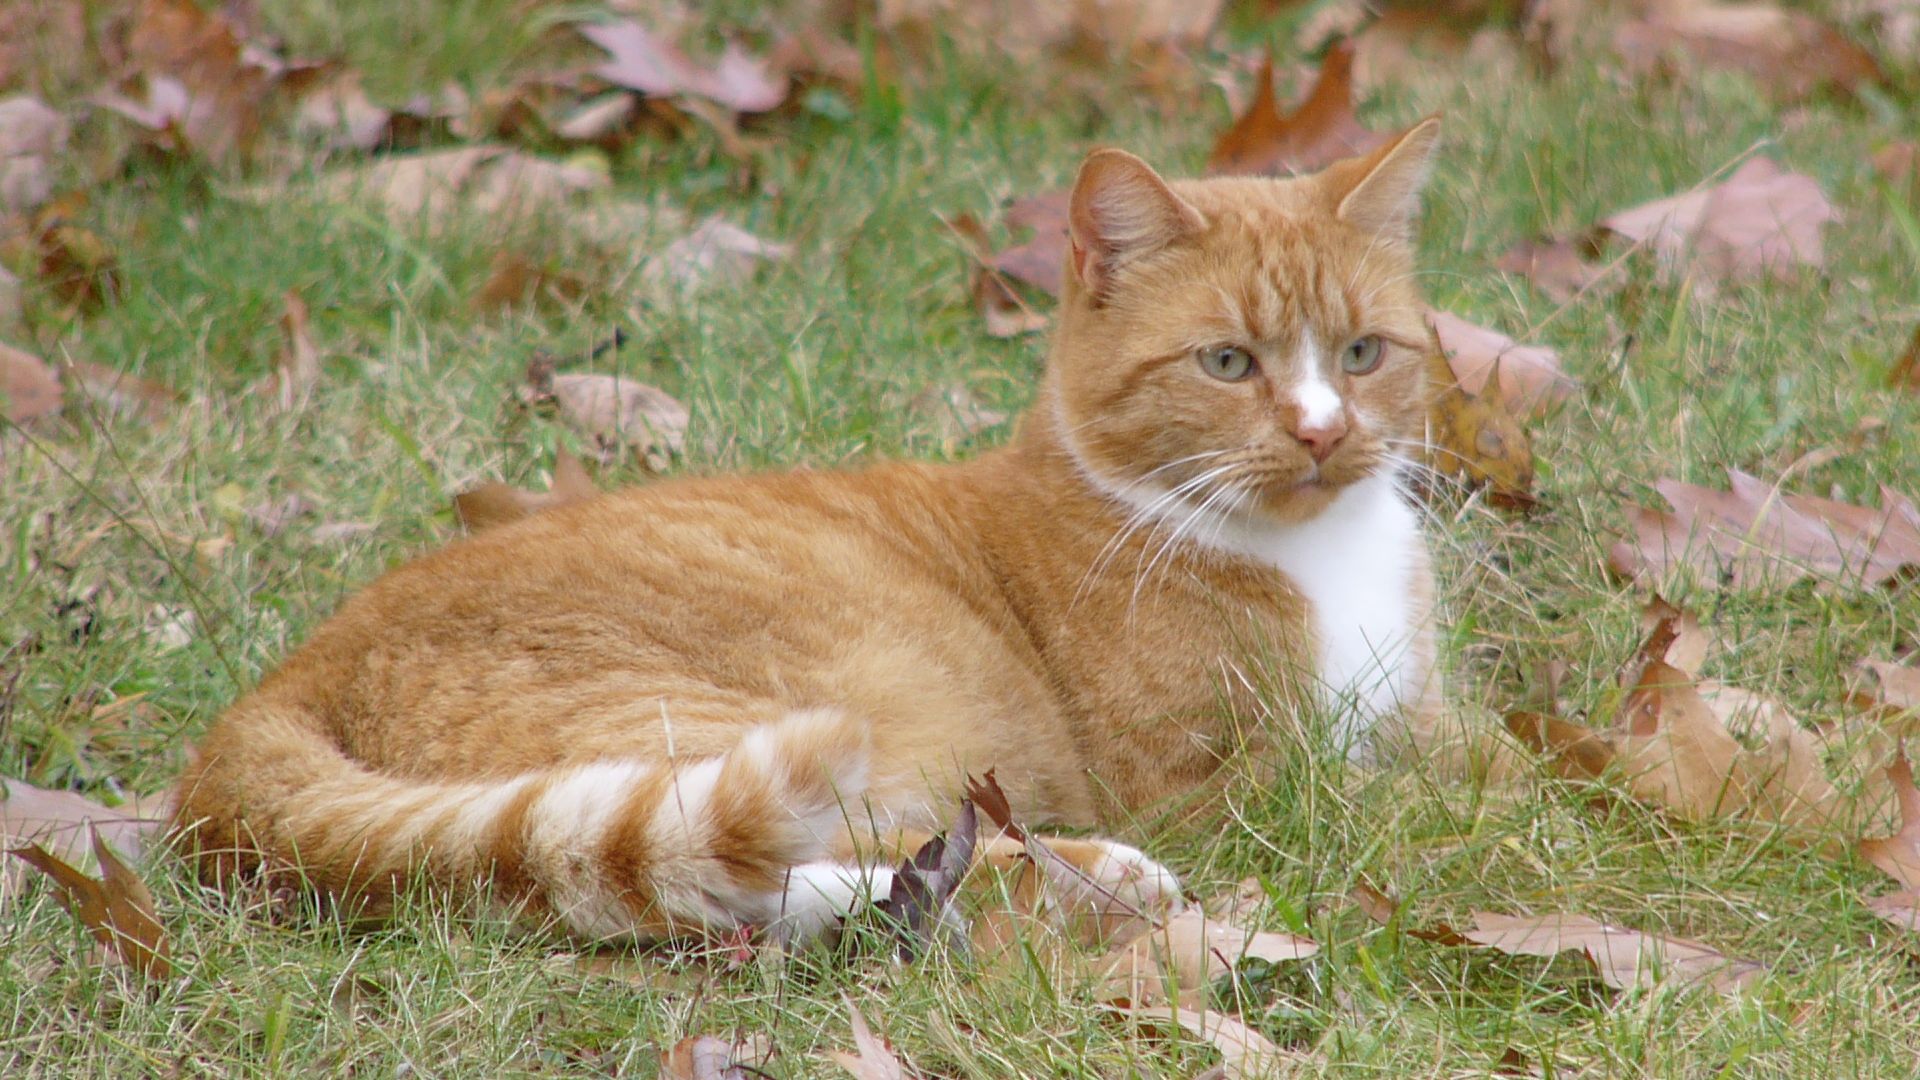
[146,578]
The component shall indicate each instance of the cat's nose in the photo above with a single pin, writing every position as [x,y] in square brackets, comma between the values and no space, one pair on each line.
[1322,437]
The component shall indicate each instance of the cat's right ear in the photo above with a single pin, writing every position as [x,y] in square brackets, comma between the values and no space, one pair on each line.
[1120,210]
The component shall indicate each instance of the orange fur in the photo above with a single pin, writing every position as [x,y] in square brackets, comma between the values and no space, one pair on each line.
[643,711]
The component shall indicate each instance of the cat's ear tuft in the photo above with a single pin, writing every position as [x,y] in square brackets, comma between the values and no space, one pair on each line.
[1121,210]
[1380,193]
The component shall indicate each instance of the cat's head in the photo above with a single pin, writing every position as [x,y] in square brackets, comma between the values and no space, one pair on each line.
[1255,341]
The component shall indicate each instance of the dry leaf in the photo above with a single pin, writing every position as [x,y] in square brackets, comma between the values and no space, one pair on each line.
[872,1059]
[1556,267]
[1755,536]
[1902,908]
[1761,221]
[715,252]
[1905,374]
[1183,958]
[1886,687]
[924,885]
[1791,53]
[339,115]
[1476,440]
[1244,1052]
[58,820]
[296,370]
[75,263]
[955,413]
[1898,856]
[514,279]
[616,411]
[33,139]
[1041,260]
[116,908]
[1025,31]
[1626,959]
[641,60]
[488,181]
[121,392]
[1531,380]
[1320,130]
[1005,314]
[1674,636]
[1382,909]
[704,1057]
[494,504]
[28,387]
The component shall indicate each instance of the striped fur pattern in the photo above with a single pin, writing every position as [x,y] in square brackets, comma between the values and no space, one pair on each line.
[706,704]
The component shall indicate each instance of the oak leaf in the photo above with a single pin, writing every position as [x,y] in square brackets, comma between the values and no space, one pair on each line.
[1887,688]
[33,138]
[1317,132]
[494,503]
[1793,54]
[1041,260]
[1001,308]
[872,1058]
[1476,440]
[1902,908]
[1181,959]
[1761,221]
[1755,536]
[642,60]
[1557,268]
[75,262]
[487,180]
[1898,856]
[1626,959]
[617,412]
[116,908]
[1531,379]
[716,252]
[924,884]
[28,387]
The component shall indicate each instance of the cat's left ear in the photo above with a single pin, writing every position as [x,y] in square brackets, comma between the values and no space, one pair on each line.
[1380,193]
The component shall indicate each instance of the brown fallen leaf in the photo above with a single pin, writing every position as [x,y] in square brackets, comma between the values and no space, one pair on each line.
[1626,959]
[1026,31]
[121,392]
[924,884]
[1244,1052]
[1040,261]
[1556,267]
[872,1058]
[1320,130]
[1762,221]
[296,370]
[494,503]
[116,908]
[1792,53]
[59,820]
[642,60]
[28,387]
[1898,163]
[1902,908]
[1886,687]
[617,412]
[1005,314]
[716,252]
[1673,636]
[1181,959]
[513,278]
[1755,536]
[1383,909]
[1531,379]
[1898,856]
[705,1057]
[1905,374]
[76,264]
[33,139]
[488,181]
[337,113]
[956,415]
[1476,440]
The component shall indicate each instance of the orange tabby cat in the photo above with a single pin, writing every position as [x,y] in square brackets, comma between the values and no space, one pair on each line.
[685,705]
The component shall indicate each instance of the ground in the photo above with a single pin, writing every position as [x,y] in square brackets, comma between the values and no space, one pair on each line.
[115,530]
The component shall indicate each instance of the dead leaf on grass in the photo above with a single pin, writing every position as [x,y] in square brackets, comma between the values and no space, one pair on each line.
[121,392]
[955,413]
[513,278]
[1004,312]
[1039,261]
[1244,1052]
[1898,856]
[1902,908]
[33,139]
[76,264]
[924,884]
[1383,909]
[339,115]
[28,387]
[1626,959]
[494,504]
[1762,221]
[1531,379]
[58,820]
[705,1057]
[1905,374]
[617,412]
[642,60]
[488,181]
[116,908]
[1476,440]
[1886,687]
[1320,130]
[1792,53]
[296,370]
[716,252]
[1177,961]
[1755,536]
[872,1058]
[1558,268]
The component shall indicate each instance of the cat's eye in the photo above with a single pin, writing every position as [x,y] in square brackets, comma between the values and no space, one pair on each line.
[1228,363]
[1362,356]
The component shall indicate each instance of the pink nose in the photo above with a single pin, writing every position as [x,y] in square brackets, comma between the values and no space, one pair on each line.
[1321,439]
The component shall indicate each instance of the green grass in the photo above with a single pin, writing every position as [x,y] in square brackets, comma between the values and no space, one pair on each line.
[812,364]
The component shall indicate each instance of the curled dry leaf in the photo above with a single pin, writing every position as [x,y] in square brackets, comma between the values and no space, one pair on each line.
[1898,856]
[1476,441]
[1755,536]
[1383,909]
[1531,379]
[1005,314]
[1557,268]
[1761,221]
[28,387]
[1626,959]
[33,139]
[642,60]
[296,370]
[494,504]
[924,884]
[74,261]
[1791,53]
[1181,959]
[1244,1052]
[116,908]
[59,820]
[1041,260]
[716,252]
[1320,130]
[487,180]
[871,1059]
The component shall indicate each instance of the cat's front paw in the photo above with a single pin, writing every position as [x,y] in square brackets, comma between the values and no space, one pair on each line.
[1118,890]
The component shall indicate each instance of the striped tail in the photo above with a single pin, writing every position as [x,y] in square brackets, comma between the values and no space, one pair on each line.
[611,848]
